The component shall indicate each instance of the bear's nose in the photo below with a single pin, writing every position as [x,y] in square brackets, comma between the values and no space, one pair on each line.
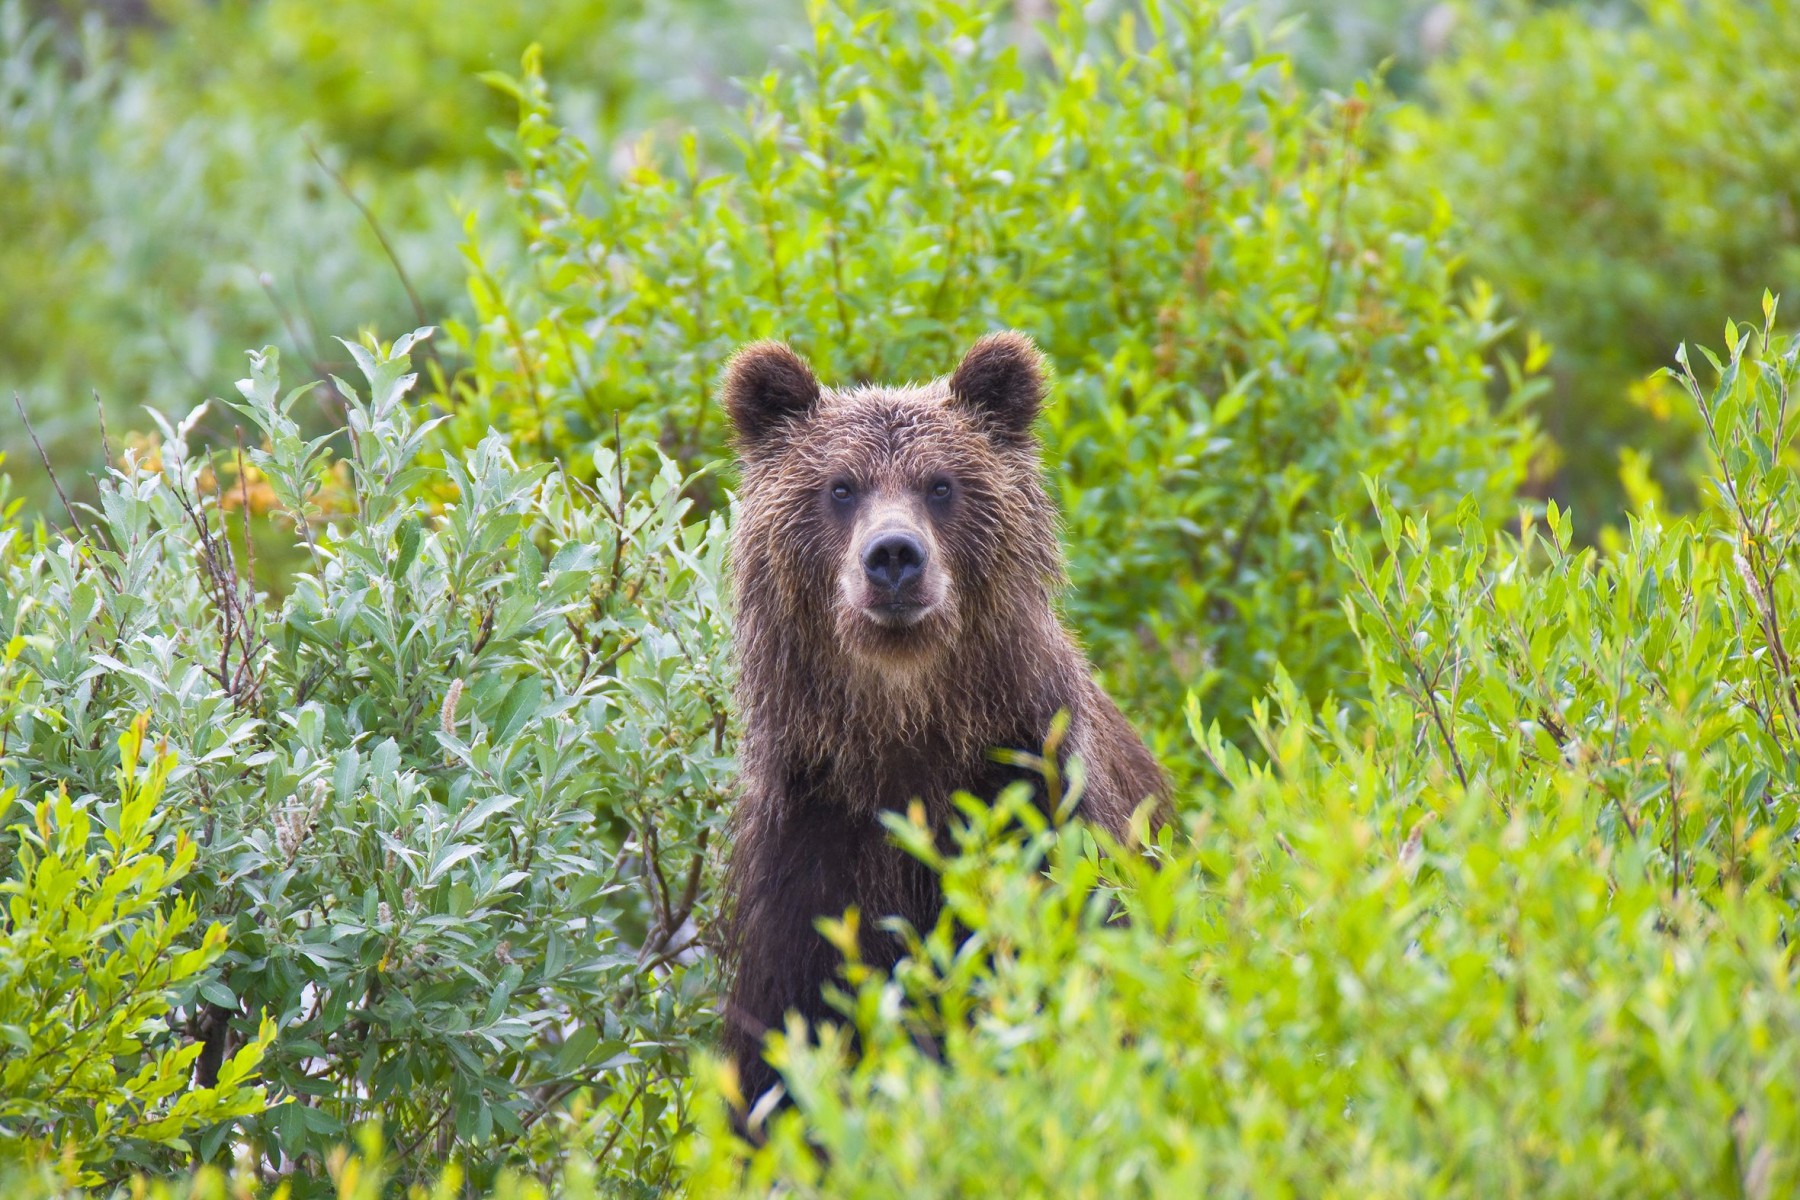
[894,560]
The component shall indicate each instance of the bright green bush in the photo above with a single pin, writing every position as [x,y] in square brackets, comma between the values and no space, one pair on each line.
[1239,322]
[94,1076]
[453,798]
[1623,184]
[1525,926]
[367,1173]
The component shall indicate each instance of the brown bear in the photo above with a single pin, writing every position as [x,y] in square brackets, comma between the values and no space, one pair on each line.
[895,562]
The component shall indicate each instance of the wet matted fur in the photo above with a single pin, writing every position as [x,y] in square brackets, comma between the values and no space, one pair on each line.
[895,564]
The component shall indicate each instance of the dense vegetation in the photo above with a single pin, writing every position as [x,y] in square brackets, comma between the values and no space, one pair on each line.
[1231,311]
[365,738]
[1625,182]
[439,796]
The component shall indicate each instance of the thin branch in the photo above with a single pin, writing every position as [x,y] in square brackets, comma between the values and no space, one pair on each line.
[619,1126]
[1418,670]
[375,225]
[48,469]
[690,893]
[1674,829]
[105,442]
[308,348]
[57,484]
[244,510]
[659,883]
[443,1115]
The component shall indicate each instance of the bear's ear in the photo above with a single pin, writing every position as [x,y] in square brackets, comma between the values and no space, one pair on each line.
[1001,379]
[766,385]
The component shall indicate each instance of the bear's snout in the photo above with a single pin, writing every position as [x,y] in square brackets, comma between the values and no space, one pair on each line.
[894,563]
[892,575]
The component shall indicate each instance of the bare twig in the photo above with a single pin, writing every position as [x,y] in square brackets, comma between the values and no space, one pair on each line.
[309,348]
[690,893]
[48,469]
[375,225]
[444,1114]
[618,558]
[1427,684]
[659,883]
[485,631]
[105,442]
[56,483]
[619,1125]
[233,599]
[599,667]
[315,674]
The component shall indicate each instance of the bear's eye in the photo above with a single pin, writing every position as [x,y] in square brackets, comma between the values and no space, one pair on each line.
[840,491]
[940,489]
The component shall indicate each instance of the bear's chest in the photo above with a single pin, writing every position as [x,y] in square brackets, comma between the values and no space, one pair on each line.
[927,770]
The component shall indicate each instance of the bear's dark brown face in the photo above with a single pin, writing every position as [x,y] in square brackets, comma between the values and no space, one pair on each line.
[891,515]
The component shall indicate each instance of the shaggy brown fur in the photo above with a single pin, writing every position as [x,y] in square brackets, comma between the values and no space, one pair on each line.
[894,562]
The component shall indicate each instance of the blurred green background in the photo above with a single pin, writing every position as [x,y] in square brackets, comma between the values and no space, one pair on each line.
[180,179]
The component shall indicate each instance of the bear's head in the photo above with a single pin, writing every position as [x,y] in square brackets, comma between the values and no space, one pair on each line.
[898,524]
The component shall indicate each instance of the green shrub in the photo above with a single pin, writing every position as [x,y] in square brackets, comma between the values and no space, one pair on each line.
[1623,184]
[94,1077]
[1523,927]
[453,797]
[365,1173]
[1239,322]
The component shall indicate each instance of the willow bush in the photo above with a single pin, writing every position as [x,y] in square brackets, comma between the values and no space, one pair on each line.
[167,205]
[448,805]
[1233,311]
[1519,922]
[149,239]
[96,946]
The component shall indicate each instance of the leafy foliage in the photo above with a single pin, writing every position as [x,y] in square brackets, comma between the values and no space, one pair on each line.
[452,799]
[1483,878]
[140,294]
[91,963]
[1233,313]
